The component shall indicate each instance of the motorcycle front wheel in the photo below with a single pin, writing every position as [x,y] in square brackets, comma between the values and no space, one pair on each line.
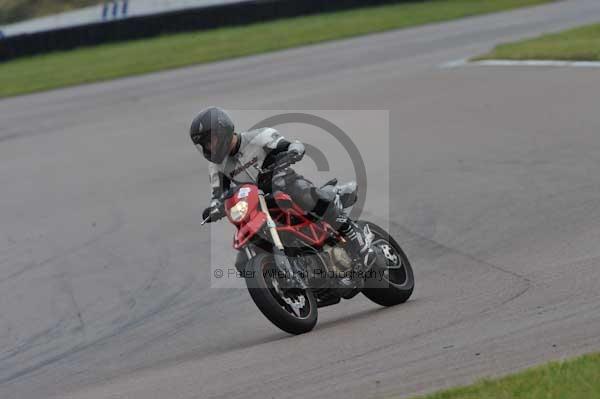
[292,310]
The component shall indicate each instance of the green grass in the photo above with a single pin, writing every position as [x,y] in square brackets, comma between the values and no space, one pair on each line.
[17,10]
[574,379]
[580,44]
[105,62]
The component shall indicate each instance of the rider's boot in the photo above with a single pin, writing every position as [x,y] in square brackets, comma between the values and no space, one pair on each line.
[358,243]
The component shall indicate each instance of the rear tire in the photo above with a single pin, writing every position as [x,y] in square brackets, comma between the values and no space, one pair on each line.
[266,293]
[397,285]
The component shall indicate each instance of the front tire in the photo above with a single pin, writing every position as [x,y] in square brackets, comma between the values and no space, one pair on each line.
[292,310]
[391,283]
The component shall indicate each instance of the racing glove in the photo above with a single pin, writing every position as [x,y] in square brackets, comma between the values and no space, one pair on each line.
[214,212]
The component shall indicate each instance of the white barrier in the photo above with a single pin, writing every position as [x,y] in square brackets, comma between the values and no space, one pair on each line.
[106,11]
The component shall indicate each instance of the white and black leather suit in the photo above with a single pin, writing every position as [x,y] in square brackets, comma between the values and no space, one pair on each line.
[260,148]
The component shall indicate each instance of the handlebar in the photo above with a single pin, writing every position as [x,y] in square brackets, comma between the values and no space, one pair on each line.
[217,212]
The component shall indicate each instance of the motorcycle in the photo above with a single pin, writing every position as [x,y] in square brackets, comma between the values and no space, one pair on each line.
[294,264]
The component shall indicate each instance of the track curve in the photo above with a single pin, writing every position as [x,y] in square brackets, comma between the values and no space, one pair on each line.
[104,282]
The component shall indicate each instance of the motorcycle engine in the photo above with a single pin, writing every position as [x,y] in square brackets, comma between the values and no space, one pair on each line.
[338,259]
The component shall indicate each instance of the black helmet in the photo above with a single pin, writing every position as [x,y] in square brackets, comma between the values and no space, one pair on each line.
[212,121]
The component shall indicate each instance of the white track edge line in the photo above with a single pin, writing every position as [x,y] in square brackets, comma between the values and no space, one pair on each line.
[535,63]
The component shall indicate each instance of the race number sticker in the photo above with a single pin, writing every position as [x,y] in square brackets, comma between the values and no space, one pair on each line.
[243,192]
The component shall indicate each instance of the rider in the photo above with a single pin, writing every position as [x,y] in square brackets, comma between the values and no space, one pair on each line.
[236,157]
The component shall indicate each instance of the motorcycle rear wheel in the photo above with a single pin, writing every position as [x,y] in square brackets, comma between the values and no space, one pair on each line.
[390,284]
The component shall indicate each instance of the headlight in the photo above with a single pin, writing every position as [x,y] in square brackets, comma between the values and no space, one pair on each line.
[238,211]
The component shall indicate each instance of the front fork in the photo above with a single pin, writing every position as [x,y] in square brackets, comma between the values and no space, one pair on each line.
[281,260]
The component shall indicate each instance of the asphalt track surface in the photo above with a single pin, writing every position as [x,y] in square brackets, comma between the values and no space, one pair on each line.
[494,193]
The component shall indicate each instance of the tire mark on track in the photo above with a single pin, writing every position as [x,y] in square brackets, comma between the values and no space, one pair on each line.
[169,301]
[45,337]
[461,253]
[113,228]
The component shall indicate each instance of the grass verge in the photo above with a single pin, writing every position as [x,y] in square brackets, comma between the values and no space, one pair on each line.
[573,379]
[105,62]
[580,44]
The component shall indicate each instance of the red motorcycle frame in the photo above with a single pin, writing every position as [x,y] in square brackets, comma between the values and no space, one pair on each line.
[247,209]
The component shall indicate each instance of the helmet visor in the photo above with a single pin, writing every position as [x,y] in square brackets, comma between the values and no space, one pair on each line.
[210,145]
[205,142]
